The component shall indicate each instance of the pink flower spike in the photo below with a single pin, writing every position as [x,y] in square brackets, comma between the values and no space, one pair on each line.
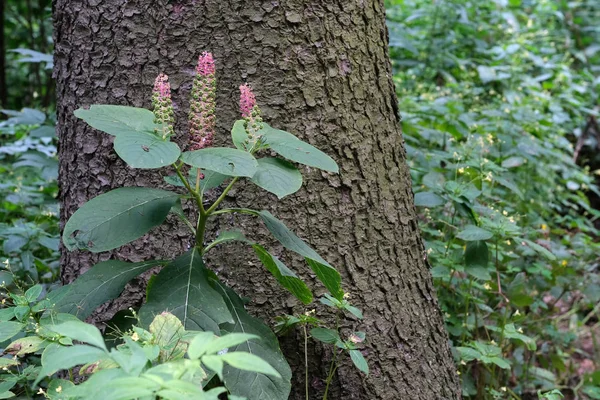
[247,101]
[206,64]
[162,87]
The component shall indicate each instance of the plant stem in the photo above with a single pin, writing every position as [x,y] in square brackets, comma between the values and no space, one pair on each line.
[222,196]
[195,194]
[305,362]
[202,218]
[332,370]
[333,366]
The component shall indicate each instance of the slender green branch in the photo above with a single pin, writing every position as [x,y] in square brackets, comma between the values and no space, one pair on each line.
[222,196]
[195,194]
[235,210]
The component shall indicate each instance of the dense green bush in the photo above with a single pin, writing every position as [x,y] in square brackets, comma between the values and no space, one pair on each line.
[491,93]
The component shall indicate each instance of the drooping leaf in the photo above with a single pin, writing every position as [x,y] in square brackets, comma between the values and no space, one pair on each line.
[286,277]
[477,259]
[117,217]
[146,151]
[103,282]
[277,176]
[224,160]
[118,120]
[540,249]
[325,272]
[359,361]
[292,148]
[182,289]
[254,385]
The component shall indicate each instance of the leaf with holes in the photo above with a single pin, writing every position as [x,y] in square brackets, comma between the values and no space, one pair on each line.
[230,162]
[146,151]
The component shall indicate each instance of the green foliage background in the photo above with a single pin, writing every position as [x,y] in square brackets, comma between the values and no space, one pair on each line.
[495,97]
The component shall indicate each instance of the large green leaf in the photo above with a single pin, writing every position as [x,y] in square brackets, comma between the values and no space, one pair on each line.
[292,148]
[56,358]
[8,329]
[477,259]
[325,272]
[118,120]
[254,385]
[285,276]
[103,282]
[79,330]
[277,176]
[472,233]
[182,289]
[227,161]
[117,217]
[142,150]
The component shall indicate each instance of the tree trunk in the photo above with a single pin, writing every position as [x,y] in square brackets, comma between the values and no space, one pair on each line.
[320,70]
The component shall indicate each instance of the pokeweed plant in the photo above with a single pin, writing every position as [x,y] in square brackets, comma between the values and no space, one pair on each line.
[185,286]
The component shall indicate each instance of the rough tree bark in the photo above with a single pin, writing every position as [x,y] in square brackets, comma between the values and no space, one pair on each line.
[320,69]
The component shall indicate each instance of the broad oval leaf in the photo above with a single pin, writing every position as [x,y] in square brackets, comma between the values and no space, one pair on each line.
[292,148]
[117,217]
[477,259]
[8,329]
[325,335]
[224,160]
[182,289]
[254,385]
[286,277]
[472,233]
[56,358]
[142,150]
[79,330]
[428,199]
[118,120]
[277,176]
[325,272]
